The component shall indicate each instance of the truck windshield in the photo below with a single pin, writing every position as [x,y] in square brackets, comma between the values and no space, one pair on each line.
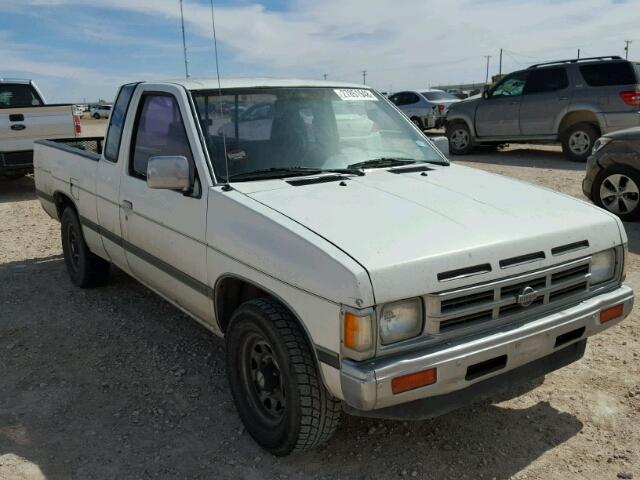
[305,128]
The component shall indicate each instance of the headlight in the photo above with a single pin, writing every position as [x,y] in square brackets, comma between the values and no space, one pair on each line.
[400,320]
[603,266]
[600,144]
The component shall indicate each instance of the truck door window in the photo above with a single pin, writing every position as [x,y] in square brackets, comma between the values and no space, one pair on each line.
[18,95]
[511,86]
[159,131]
[112,144]
[546,80]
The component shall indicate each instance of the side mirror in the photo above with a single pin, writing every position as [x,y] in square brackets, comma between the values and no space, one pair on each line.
[442,143]
[170,173]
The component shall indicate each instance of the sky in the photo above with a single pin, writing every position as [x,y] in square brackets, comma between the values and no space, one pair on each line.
[82,50]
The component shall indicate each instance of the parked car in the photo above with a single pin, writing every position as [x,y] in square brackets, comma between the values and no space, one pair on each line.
[359,273]
[25,117]
[440,102]
[612,180]
[100,111]
[415,106]
[570,101]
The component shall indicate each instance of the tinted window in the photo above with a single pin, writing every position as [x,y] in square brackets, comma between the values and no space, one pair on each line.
[18,95]
[160,131]
[546,80]
[606,74]
[439,96]
[395,98]
[511,86]
[412,98]
[116,122]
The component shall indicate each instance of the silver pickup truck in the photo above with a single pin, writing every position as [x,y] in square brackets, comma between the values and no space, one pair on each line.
[348,265]
[25,117]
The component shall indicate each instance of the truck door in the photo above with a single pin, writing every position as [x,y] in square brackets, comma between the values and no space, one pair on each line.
[164,230]
[546,96]
[110,170]
[498,114]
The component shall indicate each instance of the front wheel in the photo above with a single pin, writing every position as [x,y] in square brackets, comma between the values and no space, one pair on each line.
[578,141]
[417,122]
[460,141]
[274,380]
[96,116]
[617,189]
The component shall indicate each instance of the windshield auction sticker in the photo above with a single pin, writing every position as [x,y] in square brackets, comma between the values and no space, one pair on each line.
[355,94]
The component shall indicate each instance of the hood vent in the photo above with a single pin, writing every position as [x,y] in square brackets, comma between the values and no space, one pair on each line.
[410,170]
[569,247]
[528,258]
[311,180]
[464,272]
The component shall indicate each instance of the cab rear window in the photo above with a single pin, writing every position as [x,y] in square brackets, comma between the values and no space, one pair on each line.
[18,95]
[609,74]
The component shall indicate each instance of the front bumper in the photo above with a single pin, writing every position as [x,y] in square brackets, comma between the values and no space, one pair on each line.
[366,385]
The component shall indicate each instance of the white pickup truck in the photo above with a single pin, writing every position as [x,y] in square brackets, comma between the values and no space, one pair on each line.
[349,268]
[25,117]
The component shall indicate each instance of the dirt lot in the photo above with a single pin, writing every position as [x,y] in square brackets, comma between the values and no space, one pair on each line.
[116,383]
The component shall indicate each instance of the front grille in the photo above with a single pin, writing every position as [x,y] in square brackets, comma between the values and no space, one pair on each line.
[498,300]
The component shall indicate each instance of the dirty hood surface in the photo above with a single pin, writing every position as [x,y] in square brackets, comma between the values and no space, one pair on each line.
[406,228]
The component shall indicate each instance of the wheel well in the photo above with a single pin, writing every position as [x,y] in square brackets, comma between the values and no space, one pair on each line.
[230,293]
[62,201]
[580,116]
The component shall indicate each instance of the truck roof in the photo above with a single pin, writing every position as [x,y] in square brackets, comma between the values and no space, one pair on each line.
[226,83]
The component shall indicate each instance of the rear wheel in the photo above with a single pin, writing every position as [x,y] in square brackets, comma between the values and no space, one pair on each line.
[84,267]
[460,141]
[578,140]
[274,380]
[617,189]
[96,116]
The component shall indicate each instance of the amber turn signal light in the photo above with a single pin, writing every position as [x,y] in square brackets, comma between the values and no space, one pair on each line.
[611,313]
[414,380]
[357,332]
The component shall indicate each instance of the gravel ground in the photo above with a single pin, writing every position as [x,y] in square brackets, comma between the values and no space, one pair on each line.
[116,383]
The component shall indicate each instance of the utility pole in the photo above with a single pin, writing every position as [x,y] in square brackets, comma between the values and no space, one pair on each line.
[626,49]
[364,77]
[578,54]
[500,69]
[486,80]
[325,75]
[184,43]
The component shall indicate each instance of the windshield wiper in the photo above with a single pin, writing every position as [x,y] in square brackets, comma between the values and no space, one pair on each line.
[382,162]
[280,172]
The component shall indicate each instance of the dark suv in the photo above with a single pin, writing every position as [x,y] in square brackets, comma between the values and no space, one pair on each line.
[567,101]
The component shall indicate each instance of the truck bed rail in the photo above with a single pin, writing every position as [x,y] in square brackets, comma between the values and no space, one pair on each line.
[88,147]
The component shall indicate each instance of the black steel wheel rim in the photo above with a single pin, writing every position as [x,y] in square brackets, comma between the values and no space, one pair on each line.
[263,381]
[73,241]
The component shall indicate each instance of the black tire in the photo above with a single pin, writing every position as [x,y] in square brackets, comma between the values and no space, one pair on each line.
[298,413]
[418,123]
[578,140]
[84,267]
[460,139]
[625,204]
[96,116]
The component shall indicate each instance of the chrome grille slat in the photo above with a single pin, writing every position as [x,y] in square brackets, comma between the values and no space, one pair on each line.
[494,301]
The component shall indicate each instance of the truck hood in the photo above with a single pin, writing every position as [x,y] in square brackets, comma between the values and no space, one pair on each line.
[407,228]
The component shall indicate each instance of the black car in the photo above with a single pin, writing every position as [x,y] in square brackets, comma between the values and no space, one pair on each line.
[613,173]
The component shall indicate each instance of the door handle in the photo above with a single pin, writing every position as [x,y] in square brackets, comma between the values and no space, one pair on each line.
[18,127]
[126,204]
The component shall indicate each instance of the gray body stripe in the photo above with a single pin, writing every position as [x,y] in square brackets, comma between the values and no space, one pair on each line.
[44,196]
[327,356]
[170,270]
